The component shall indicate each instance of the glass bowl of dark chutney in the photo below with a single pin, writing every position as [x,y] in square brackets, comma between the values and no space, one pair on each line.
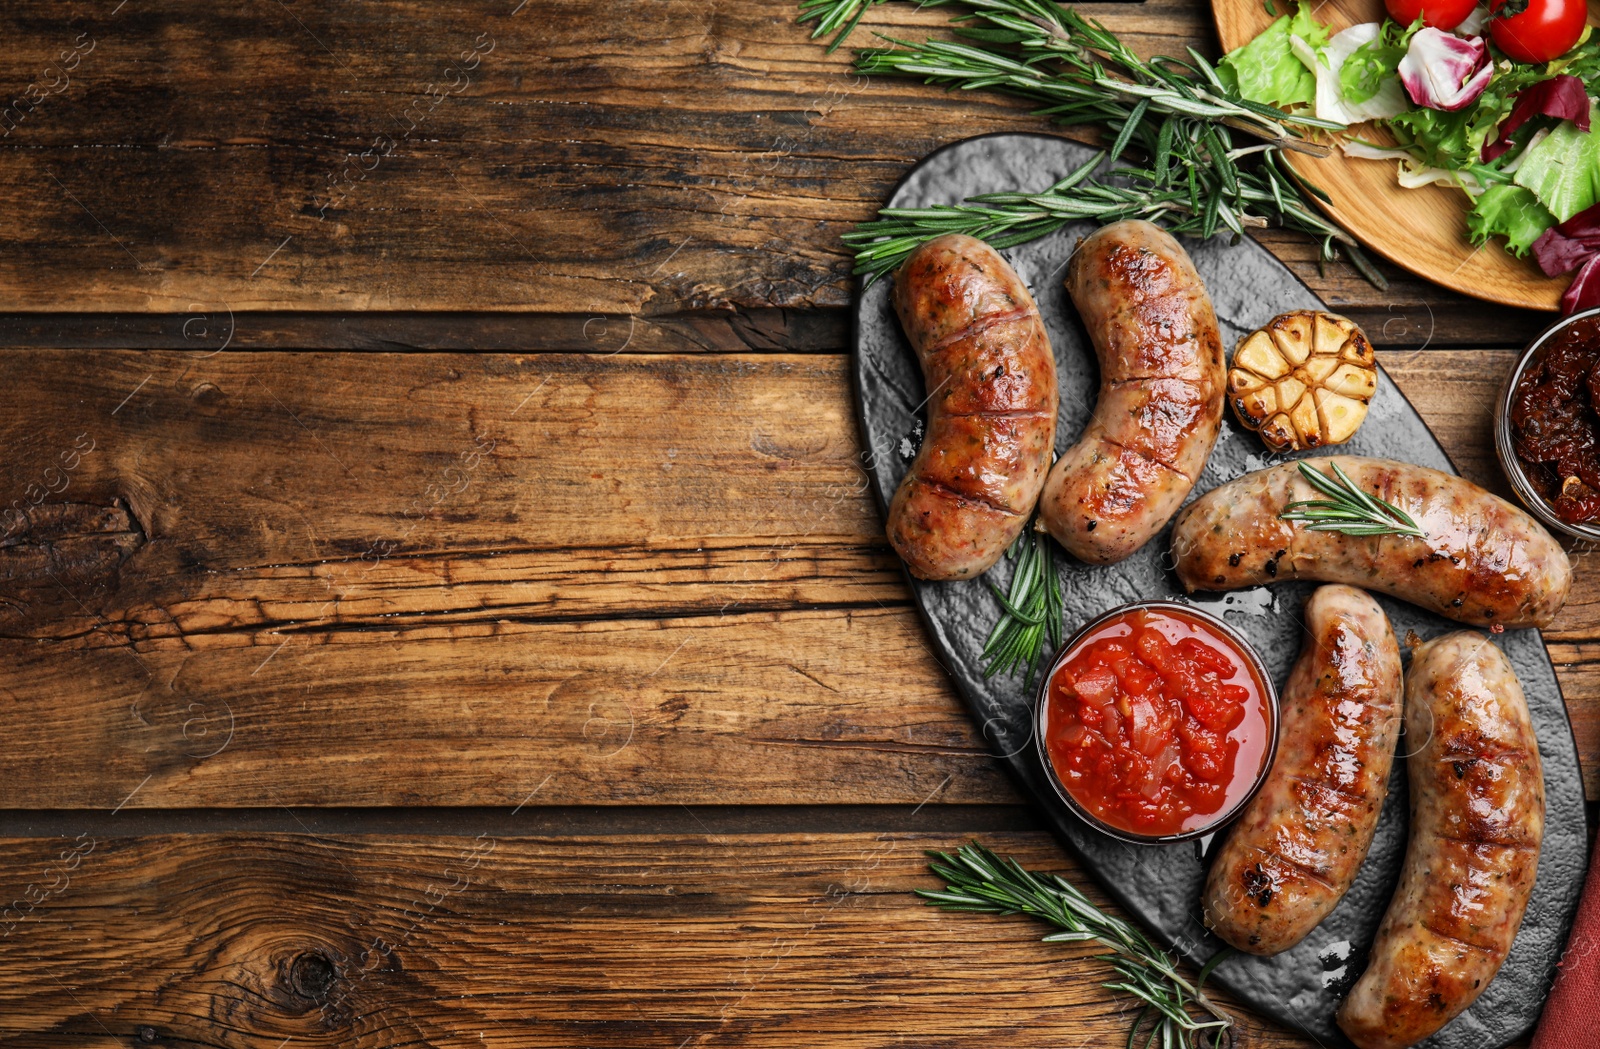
[1547,426]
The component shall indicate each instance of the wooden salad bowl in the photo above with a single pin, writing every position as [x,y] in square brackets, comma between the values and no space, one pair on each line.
[1422,230]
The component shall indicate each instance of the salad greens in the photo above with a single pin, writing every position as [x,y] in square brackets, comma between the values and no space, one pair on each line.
[1563,169]
[1266,69]
[1512,212]
[1544,166]
[1374,63]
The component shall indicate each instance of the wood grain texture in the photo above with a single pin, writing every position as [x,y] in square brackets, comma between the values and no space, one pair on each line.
[251,941]
[439,579]
[1422,230]
[648,160]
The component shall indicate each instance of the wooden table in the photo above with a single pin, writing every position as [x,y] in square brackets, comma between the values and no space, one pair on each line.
[448,608]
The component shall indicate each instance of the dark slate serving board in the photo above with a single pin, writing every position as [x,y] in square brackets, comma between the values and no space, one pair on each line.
[1161,884]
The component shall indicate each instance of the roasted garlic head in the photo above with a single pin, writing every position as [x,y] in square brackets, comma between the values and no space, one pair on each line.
[1303,381]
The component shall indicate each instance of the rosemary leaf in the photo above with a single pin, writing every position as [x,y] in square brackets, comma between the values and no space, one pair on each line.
[1347,509]
[1030,613]
[978,881]
[838,17]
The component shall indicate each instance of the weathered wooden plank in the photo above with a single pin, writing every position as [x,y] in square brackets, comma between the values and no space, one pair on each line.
[219,601]
[825,706]
[1411,312]
[251,941]
[1396,325]
[257,491]
[206,608]
[202,330]
[183,493]
[641,160]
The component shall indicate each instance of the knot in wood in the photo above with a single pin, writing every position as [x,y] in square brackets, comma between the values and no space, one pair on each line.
[311,975]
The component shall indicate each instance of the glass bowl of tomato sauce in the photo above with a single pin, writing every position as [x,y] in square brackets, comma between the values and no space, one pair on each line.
[1547,426]
[1156,723]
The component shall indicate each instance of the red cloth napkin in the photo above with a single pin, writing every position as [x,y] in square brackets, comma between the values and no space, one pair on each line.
[1572,1013]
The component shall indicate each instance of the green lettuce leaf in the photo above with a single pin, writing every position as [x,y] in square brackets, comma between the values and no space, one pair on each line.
[1266,70]
[1563,170]
[1375,61]
[1441,139]
[1511,212]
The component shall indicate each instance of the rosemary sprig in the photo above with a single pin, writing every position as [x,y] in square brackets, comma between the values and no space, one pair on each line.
[838,17]
[1030,612]
[1347,509]
[979,882]
[1177,115]
[1080,70]
[1182,207]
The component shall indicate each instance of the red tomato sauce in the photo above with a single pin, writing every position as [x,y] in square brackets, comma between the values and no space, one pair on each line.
[1156,722]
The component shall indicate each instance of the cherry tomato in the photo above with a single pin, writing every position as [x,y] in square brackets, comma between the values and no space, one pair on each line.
[1440,14]
[1537,30]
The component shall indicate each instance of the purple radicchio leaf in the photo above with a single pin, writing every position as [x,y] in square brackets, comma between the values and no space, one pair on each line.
[1561,96]
[1573,245]
[1584,291]
[1564,247]
[1443,71]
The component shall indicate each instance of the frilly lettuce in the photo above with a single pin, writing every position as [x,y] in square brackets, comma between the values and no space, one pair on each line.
[1511,212]
[1333,100]
[1374,65]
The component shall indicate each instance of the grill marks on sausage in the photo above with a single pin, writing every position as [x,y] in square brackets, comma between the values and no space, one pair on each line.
[1469,945]
[1159,405]
[1312,823]
[991,396]
[1161,412]
[1478,821]
[980,325]
[964,498]
[1484,561]
[1123,484]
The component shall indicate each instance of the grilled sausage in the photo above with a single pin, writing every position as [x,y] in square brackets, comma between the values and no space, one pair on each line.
[1483,562]
[991,378]
[1161,393]
[1477,821]
[1294,853]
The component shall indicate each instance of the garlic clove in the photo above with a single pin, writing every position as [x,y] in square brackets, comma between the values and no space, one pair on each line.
[1259,404]
[1353,381]
[1331,332]
[1318,368]
[1278,433]
[1242,381]
[1292,333]
[1341,416]
[1291,392]
[1307,426]
[1358,350]
[1259,355]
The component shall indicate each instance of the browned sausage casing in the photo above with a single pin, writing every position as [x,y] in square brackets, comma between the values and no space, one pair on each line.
[1477,822]
[1294,853]
[991,379]
[1162,381]
[1484,561]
